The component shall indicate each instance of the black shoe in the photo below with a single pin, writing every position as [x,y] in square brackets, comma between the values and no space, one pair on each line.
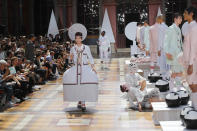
[167,79]
[83,108]
[151,74]
[79,106]
[134,108]
[42,83]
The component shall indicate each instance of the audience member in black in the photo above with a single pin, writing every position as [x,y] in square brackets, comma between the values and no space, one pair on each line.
[30,48]
[51,38]
[10,54]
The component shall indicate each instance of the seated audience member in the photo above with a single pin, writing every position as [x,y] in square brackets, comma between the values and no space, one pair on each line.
[22,78]
[40,70]
[6,82]
[30,61]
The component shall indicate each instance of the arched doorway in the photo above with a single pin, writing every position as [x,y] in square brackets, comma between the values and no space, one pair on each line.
[129,11]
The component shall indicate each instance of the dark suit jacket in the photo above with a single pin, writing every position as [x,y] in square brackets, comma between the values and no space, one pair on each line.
[29,50]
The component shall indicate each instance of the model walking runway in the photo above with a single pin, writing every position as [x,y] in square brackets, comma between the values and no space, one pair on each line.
[47,111]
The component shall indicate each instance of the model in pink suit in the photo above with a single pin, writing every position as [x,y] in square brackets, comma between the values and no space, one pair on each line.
[186,48]
[153,36]
[192,54]
[190,15]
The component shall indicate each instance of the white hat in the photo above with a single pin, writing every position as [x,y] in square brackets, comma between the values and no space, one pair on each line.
[3,62]
[77,28]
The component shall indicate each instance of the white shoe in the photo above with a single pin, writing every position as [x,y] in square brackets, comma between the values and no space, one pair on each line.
[13,101]
[36,88]
[26,98]
[11,104]
[17,100]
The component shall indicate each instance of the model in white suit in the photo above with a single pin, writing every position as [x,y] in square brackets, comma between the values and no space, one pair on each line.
[80,81]
[135,87]
[104,47]
[162,56]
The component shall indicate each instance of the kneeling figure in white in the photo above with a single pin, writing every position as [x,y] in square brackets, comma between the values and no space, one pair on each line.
[135,87]
[80,81]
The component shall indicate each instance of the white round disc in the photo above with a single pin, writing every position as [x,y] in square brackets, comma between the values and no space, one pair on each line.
[77,28]
[130,30]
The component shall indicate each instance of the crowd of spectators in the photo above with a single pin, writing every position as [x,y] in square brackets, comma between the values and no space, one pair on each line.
[29,61]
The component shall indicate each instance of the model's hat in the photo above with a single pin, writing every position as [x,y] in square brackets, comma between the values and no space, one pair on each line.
[77,28]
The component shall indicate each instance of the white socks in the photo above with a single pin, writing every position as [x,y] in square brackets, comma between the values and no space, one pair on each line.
[167,75]
[178,81]
[194,100]
[163,75]
[152,67]
[171,84]
[175,82]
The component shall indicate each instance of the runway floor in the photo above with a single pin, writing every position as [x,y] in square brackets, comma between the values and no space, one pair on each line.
[46,111]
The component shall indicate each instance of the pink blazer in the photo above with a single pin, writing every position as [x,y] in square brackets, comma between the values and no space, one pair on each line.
[153,36]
